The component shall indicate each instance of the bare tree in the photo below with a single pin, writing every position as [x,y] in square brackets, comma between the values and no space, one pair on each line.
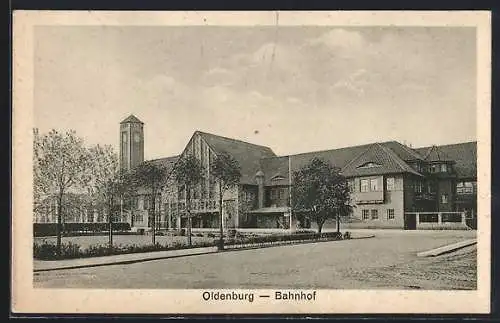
[108,185]
[152,177]
[188,174]
[60,163]
[226,170]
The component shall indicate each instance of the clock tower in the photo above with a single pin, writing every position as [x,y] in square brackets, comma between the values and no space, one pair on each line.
[131,143]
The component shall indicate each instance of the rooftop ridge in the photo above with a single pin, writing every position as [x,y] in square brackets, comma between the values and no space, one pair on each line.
[321,151]
[232,139]
[448,145]
[410,150]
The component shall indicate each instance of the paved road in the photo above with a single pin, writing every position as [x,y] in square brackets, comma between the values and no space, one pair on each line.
[365,263]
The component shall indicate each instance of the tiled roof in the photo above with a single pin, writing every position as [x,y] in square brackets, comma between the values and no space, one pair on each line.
[248,155]
[388,162]
[464,155]
[394,152]
[131,119]
[404,152]
[167,162]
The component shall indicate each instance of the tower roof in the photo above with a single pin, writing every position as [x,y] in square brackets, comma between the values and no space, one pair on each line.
[132,119]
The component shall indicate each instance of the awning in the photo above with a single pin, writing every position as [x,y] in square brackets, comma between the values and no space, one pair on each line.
[276,209]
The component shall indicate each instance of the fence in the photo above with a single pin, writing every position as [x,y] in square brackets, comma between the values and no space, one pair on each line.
[50,229]
[440,220]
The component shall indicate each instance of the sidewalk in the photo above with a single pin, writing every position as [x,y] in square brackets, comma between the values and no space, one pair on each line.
[44,265]
[448,248]
[48,265]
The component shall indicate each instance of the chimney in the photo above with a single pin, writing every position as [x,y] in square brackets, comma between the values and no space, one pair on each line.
[259,178]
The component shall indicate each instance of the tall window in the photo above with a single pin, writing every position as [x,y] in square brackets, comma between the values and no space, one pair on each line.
[211,191]
[390,183]
[364,185]
[418,187]
[273,194]
[390,214]
[137,217]
[431,187]
[366,214]
[282,193]
[182,193]
[444,198]
[374,214]
[124,147]
[350,184]
[444,168]
[374,185]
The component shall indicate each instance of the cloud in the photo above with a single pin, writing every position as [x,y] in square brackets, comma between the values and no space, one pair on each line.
[218,76]
[341,40]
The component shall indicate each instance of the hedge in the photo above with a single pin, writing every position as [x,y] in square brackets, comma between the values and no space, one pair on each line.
[48,251]
[50,229]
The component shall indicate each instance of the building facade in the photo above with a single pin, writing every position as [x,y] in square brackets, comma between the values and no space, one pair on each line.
[392,185]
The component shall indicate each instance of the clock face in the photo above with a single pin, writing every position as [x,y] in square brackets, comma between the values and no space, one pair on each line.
[137,137]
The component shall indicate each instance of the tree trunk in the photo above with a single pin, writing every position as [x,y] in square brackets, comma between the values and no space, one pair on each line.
[338,223]
[59,223]
[110,222]
[221,229]
[153,220]
[188,212]
[320,225]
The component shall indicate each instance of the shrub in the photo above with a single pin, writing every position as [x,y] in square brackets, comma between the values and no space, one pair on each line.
[44,251]
[347,235]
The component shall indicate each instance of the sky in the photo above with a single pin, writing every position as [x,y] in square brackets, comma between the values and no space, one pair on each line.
[293,89]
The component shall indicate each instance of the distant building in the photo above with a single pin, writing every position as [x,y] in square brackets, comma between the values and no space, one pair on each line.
[392,185]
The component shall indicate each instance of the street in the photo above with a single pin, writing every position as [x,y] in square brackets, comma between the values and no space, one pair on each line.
[387,261]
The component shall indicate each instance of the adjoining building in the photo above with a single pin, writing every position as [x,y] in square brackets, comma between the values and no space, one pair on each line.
[392,185]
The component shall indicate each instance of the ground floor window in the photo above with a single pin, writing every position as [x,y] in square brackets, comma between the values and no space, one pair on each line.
[374,214]
[366,214]
[390,214]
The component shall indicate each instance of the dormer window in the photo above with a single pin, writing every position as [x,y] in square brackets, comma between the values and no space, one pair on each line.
[369,165]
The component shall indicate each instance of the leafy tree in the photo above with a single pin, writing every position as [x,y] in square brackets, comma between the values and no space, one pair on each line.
[322,191]
[108,185]
[60,163]
[226,170]
[152,177]
[188,173]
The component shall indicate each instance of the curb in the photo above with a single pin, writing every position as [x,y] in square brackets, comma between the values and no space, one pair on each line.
[132,261]
[446,249]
